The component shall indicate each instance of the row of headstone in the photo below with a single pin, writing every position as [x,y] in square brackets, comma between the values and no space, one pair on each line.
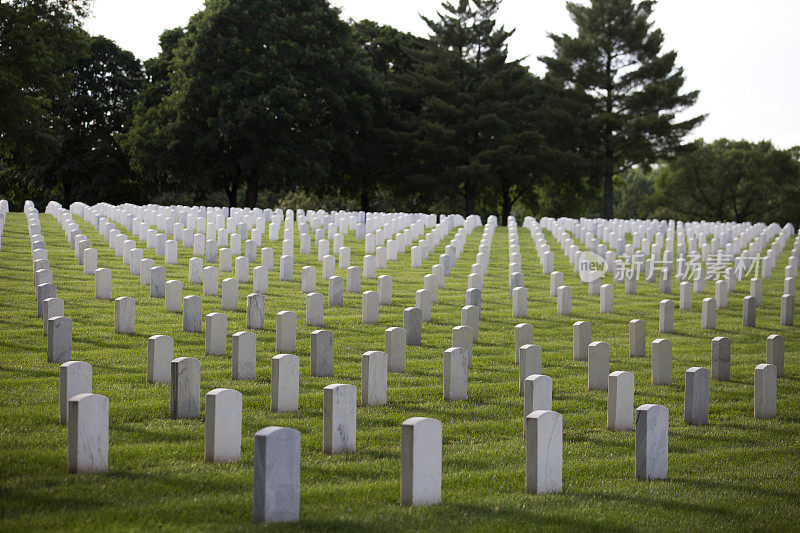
[543,465]
[619,270]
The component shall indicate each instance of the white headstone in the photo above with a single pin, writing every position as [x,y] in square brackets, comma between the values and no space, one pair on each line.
[369,307]
[721,293]
[455,374]
[564,303]
[423,301]
[216,334]
[709,314]
[286,332]
[230,294]
[775,352]
[661,362]
[87,433]
[173,296]
[339,419]
[223,435]
[598,355]
[385,289]
[308,283]
[538,395]
[543,452]
[412,324]
[284,390]
[652,436]
[755,290]
[102,284]
[556,281]
[195,270]
[267,260]
[421,461]
[89,261]
[470,316]
[287,268]
[184,394]
[765,391]
[276,475]
[59,339]
[75,377]
[322,353]
[314,309]
[607,298]
[720,359]
[124,315]
[241,267]
[749,312]
[335,291]
[519,302]
[666,316]
[530,363]
[255,311]
[695,396]
[523,334]
[685,296]
[620,401]
[192,314]
[260,280]
[787,310]
[243,355]
[395,348]
[51,307]
[160,350]
[581,337]
[636,329]
[374,368]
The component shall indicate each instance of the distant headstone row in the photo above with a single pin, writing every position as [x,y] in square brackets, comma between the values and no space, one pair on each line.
[231,240]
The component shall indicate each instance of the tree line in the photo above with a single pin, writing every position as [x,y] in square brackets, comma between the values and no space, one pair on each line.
[270,102]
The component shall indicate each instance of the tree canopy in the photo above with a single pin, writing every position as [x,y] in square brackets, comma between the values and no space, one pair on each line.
[257,100]
[39,41]
[732,180]
[616,61]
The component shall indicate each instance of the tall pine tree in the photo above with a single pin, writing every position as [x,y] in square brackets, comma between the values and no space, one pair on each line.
[467,128]
[617,62]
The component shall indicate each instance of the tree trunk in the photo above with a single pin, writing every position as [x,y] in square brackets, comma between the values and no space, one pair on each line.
[608,194]
[364,199]
[469,198]
[251,195]
[68,193]
[232,192]
[505,208]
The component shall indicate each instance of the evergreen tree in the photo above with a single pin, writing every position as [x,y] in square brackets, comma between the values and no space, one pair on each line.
[617,62]
[471,132]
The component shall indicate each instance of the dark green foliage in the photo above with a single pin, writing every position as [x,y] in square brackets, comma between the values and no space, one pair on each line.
[616,60]
[474,132]
[39,41]
[732,180]
[89,164]
[258,92]
[634,198]
[267,101]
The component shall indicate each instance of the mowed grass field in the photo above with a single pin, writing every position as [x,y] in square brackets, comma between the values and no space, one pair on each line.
[737,473]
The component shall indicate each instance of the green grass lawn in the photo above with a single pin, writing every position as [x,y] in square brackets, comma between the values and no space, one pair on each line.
[736,473]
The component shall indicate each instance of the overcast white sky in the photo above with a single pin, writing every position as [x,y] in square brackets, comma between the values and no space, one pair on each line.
[743,55]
